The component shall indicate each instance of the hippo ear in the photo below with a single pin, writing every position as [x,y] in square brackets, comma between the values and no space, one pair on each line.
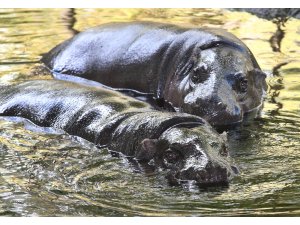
[147,149]
[187,64]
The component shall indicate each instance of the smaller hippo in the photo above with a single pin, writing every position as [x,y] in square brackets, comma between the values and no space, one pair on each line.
[184,144]
[201,71]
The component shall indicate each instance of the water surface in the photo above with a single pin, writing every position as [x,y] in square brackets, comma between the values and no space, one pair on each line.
[44,173]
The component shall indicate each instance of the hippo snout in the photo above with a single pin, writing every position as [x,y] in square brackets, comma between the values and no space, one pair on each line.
[210,175]
[217,110]
[196,154]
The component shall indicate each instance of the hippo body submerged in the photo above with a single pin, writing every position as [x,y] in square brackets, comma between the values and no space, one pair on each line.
[205,72]
[183,143]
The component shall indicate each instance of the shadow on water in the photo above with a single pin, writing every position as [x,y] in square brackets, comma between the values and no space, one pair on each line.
[277,37]
[53,174]
[276,84]
[69,16]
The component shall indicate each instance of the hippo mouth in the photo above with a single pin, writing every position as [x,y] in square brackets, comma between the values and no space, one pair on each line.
[201,159]
[220,115]
[210,176]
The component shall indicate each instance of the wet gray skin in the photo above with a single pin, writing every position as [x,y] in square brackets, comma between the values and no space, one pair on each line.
[191,155]
[183,144]
[223,93]
[201,71]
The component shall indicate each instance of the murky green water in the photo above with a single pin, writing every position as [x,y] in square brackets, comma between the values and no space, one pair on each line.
[51,174]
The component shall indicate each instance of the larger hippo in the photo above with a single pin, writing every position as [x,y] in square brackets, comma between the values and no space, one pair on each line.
[201,71]
[183,143]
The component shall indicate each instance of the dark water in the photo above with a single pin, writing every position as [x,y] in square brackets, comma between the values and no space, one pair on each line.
[50,174]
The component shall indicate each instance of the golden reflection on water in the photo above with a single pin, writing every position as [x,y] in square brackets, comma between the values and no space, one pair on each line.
[60,176]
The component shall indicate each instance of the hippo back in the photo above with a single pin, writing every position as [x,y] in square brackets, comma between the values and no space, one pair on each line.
[138,55]
[202,71]
[96,114]
[184,144]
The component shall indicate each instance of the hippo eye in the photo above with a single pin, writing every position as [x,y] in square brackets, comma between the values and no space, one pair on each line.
[172,156]
[241,83]
[200,74]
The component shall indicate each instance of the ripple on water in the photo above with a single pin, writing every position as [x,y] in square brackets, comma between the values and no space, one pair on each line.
[47,173]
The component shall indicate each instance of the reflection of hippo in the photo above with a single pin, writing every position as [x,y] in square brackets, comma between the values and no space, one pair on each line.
[205,72]
[183,143]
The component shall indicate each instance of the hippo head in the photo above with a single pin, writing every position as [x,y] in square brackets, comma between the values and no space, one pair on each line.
[220,83]
[196,154]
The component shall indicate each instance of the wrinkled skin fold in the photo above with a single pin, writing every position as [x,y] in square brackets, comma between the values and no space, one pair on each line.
[201,71]
[183,144]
